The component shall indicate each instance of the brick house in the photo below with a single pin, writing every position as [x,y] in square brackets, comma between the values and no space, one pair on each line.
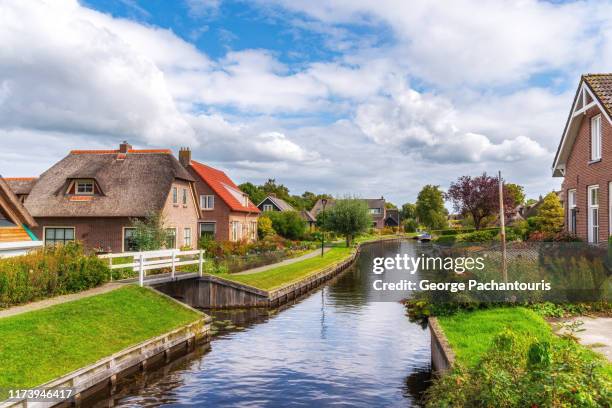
[377,207]
[225,213]
[584,160]
[93,195]
[16,237]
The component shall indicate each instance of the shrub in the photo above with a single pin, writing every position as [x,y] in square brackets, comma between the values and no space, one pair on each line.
[264,227]
[481,235]
[411,225]
[288,224]
[521,372]
[49,272]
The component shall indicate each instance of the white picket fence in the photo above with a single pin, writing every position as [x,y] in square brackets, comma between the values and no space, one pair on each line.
[151,260]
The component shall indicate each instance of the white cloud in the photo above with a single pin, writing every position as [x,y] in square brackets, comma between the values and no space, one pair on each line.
[61,69]
[425,126]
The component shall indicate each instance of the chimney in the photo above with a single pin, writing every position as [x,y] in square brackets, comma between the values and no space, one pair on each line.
[124,147]
[185,156]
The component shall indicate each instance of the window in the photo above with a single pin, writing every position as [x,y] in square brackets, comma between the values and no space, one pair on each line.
[236,230]
[268,207]
[58,235]
[207,229]
[571,211]
[245,200]
[171,243]
[375,211]
[596,137]
[129,241]
[207,202]
[187,237]
[84,187]
[593,215]
[174,195]
[253,230]
[185,196]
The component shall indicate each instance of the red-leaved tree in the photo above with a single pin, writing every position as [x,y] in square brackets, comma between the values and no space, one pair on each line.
[478,197]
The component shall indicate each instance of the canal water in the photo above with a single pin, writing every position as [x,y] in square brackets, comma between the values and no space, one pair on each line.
[339,345]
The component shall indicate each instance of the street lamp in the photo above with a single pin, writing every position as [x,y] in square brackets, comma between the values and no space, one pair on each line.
[324,202]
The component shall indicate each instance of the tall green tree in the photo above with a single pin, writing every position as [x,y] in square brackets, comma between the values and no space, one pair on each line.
[517,192]
[348,217]
[408,211]
[430,209]
[287,224]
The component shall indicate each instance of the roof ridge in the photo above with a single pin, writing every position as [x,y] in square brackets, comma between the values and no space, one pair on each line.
[20,178]
[116,151]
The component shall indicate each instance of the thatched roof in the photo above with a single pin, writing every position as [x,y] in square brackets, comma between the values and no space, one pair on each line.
[21,185]
[132,184]
[13,206]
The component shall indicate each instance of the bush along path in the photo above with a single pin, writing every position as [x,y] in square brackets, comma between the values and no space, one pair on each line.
[289,261]
[509,357]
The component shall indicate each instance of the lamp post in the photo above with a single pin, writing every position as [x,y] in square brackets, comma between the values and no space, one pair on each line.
[324,202]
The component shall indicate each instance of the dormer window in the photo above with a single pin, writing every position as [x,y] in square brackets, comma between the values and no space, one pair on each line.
[596,138]
[245,200]
[84,187]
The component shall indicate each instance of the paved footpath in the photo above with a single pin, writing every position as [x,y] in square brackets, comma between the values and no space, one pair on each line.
[597,334]
[41,304]
[282,263]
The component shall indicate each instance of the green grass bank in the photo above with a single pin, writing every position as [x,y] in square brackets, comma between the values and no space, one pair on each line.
[286,274]
[41,345]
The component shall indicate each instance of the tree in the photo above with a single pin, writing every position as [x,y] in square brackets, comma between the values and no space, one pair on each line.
[255,193]
[150,233]
[389,205]
[429,207]
[348,217]
[478,197]
[408,211]
[264,227]
[287,224]
[279,190]
[550,218]
[531,201]
[517,192]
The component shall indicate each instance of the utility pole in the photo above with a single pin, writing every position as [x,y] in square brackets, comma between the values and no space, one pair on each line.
[503,227]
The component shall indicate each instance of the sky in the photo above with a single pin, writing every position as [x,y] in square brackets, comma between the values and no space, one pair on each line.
[366,98]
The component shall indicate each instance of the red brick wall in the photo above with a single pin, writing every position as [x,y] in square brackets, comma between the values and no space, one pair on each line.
[579,174]
[106,233]
[222,214]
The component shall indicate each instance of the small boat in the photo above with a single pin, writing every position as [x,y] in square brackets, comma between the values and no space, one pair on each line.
[424,237]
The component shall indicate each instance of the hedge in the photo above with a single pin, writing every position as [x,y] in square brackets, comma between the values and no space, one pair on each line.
[49,272]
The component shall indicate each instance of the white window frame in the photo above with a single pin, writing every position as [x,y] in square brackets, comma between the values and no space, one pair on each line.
[207,202]
[596,138]
[78,183]
[236,231]
[59,227]
[592,224]
[253,230]
[123,248]
[571,204]
[185,197]
[173,229]
[175,195]
[268,207]
[187,237]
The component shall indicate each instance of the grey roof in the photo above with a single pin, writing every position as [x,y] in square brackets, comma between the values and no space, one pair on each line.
[132,184]
[372,203]
[307,216]
[280,203]
[21,185]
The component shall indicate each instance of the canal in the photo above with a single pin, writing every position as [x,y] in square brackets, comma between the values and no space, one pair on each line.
[339,345]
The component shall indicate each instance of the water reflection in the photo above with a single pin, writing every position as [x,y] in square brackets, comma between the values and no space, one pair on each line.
[336,346]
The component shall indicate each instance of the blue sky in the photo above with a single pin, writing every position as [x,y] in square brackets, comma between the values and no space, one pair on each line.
[348,97]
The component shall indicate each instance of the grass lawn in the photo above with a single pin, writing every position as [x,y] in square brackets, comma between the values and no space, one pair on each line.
[41,345]
[282,275]
[470,333]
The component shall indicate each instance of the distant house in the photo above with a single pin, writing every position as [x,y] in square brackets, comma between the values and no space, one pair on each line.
[273,203]
[16,237]
[584,160]
[392,218]
[225,213]
[377,208]
[311,221]
[93,196]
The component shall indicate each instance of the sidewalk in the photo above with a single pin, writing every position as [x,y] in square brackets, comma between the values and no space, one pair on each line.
[41,304]
[282,263]
[597,334]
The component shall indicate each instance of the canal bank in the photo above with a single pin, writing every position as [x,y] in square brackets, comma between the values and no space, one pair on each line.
[337,345]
